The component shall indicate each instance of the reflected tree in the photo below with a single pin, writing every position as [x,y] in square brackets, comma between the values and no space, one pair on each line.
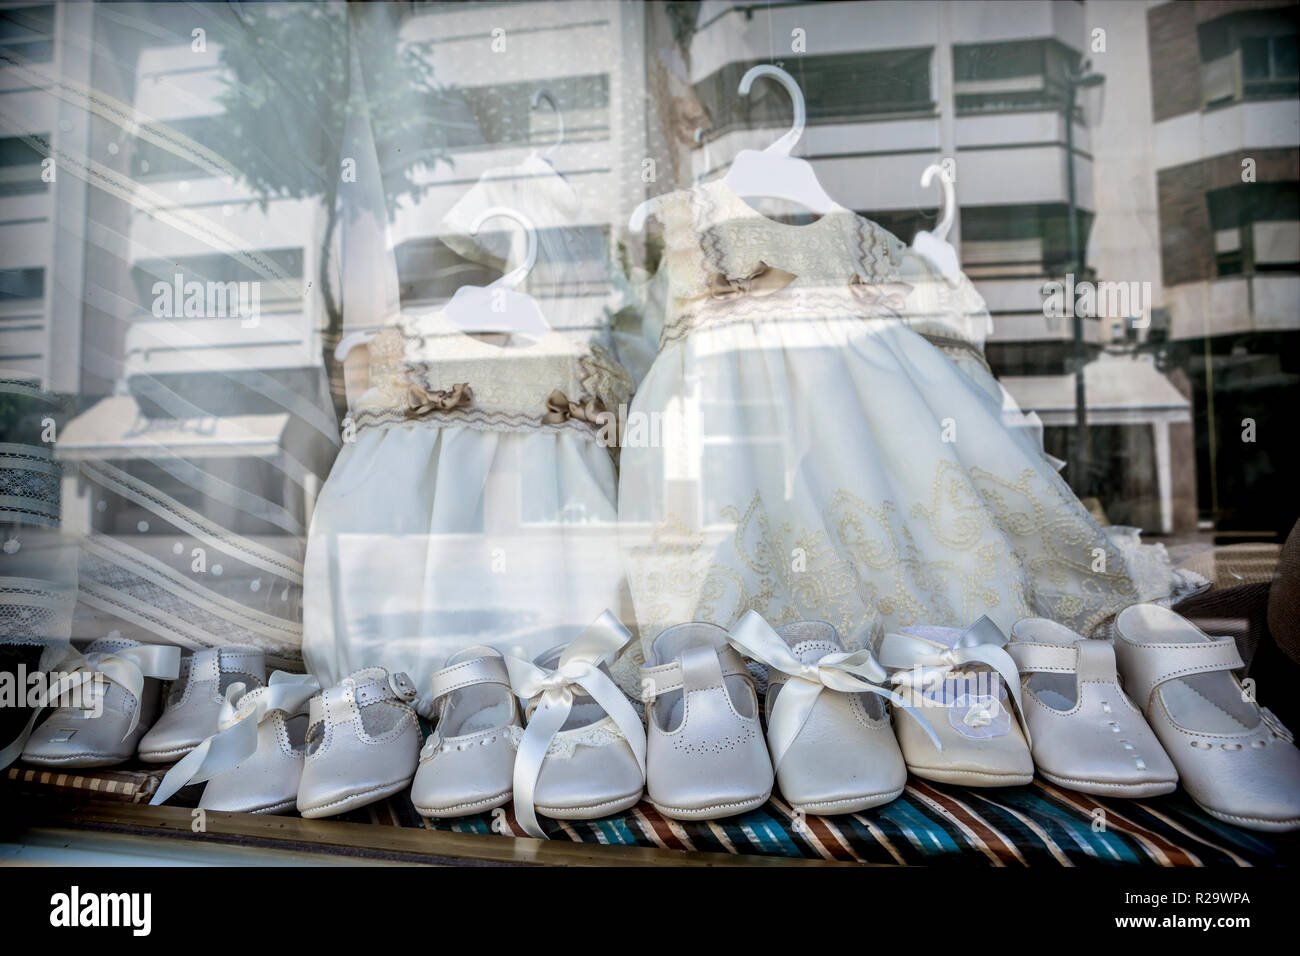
[286,101]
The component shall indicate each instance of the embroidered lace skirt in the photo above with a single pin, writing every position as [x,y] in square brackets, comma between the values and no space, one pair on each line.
[849,471]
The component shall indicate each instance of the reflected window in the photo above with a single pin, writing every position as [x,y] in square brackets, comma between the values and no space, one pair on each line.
[1249,55]
[1005,242]
[1256,228]
[28,33]
[840,87]
[20,166]
[1003,77]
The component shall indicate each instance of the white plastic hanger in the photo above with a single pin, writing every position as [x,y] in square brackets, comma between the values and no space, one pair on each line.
[934,245]
[772,173]
[545,96]
[498,307]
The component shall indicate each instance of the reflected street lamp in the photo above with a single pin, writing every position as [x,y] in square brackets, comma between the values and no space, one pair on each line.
[1080,464]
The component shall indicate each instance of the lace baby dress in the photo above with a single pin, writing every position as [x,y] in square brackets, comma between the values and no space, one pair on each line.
[817,458]
[475,505]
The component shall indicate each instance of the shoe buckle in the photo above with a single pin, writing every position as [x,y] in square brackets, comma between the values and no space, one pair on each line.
[402,686]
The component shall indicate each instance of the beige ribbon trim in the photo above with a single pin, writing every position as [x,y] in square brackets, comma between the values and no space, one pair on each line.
[559,410]
[887,297]
[420,401]
[765,280]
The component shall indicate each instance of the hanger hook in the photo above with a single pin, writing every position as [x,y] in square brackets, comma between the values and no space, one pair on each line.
[786,143]
[949,211]
[545,95]
[516,277]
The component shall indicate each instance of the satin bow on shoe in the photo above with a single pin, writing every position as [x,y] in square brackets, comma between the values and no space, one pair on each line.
[236,737]
[920,663]
[127,668]
[554,690]
[847,673]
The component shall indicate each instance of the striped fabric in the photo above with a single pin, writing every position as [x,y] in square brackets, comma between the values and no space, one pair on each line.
[935,824]
[931,824]
[133,786]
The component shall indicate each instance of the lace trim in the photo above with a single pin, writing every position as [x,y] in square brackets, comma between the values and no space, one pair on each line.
[564,745]
[954,347]
[30,485]
[149,584]
[506,399]
[976,542]
[27,387]
[477,418]
[605,377]
[171,510]
[172,629]
[168,622]
[33,611]
[707,214]
[705,240]
[789,306]
[879,252]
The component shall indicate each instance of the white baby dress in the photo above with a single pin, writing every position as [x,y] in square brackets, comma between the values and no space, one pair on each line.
[475,505]
[811,456]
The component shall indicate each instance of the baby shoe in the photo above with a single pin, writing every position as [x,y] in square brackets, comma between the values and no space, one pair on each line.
[119,683]
[467,764]
[20,659]
[705,753]
[1087,734]
[1234,757]
[363,742]
[253,763]
[582,755]
[194,701]
[828,731]
[961,680]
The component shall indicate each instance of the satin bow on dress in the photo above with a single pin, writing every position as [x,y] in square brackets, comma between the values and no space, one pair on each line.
[587,409]
[421,401]
[887,299]
[764,280]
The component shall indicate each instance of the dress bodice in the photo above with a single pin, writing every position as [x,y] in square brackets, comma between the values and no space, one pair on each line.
[426,369]
[727,262]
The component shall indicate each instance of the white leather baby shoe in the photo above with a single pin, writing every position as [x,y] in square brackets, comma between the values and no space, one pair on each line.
[705,753]
[1234,757]
[21,658]
[1087,734]
[363,742]
[828,731]
[118,683]
[195,698]
[467,765]
[963,682]
[583,754]
[253,763]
